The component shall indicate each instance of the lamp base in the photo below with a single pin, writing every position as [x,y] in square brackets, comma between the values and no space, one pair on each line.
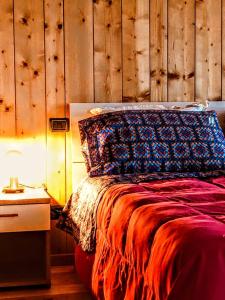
[10,190]
[14,187]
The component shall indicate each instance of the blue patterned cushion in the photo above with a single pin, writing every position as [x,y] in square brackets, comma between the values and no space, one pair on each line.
[145,141]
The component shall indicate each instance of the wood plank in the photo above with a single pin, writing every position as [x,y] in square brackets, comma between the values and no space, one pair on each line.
[79,50]
[65,285]
[7,83]
[135,41]
[181,55]
[68,157]
[62,259]
[78,64]
[30,85]
[30,69]
[158,50]
[107,51]
[55,97]
[208,50]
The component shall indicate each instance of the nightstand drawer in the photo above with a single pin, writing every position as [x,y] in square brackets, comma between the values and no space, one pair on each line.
[29,217]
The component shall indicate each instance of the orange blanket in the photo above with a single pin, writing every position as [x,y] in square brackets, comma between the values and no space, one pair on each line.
[161,240]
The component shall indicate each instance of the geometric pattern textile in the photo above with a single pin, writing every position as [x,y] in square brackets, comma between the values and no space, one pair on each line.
[146,141]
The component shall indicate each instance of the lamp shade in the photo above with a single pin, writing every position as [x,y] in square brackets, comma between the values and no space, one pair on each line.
[14,162]
[14,165]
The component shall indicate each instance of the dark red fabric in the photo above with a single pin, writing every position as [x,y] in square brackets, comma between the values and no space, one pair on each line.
[162,240]
[83,264]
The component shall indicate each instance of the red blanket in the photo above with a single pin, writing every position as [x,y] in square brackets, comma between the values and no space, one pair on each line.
[161,240]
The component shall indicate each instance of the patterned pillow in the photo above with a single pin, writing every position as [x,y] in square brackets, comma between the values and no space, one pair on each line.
[145,141]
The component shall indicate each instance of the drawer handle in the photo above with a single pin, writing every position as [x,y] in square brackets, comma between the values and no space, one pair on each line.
[8,215]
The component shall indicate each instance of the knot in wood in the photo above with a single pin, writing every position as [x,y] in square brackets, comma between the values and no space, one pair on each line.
[36,73]
[24,21]
[24,64]
[132,19]
[173,76]
[190,75]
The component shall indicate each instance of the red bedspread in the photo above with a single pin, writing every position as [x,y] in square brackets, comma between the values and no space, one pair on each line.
[161,240]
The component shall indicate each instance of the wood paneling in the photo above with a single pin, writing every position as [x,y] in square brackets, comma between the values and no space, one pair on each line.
[62,51]
[107,51]
[208,50]
[7,83]
[30,80]
[55,52]
[181,50]
[55,96]
[158,50]
[135,42]
[79,50]
[29,67]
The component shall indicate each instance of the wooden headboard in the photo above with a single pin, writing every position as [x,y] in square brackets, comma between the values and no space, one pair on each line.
[80,111]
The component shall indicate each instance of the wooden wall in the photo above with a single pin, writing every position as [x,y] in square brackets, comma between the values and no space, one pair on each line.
[53,52]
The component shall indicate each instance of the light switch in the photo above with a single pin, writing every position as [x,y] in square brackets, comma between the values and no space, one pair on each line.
[59,124]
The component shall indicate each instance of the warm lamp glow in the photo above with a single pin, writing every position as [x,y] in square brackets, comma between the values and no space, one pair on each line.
[14,161]
[29,157]
[14,164]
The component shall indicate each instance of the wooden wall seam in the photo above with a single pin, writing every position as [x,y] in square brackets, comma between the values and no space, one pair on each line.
[46,135]
[14,66]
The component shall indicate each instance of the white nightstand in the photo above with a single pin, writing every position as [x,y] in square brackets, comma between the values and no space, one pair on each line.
[24,238]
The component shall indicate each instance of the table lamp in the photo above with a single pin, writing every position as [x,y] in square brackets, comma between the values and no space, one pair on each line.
[13,164]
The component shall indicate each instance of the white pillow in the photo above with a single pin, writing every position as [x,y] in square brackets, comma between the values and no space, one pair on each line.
[106,109]
[192,106]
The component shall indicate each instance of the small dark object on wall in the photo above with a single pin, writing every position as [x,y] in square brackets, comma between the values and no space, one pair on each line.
[59,124]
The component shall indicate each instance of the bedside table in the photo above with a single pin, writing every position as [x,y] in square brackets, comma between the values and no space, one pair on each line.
[24,238]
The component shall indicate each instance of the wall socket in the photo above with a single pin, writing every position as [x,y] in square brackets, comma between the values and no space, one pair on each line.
[59,124]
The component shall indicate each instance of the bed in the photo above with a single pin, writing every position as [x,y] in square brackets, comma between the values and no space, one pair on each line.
[149,227]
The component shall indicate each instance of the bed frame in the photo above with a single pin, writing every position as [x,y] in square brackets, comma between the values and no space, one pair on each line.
[79,111]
